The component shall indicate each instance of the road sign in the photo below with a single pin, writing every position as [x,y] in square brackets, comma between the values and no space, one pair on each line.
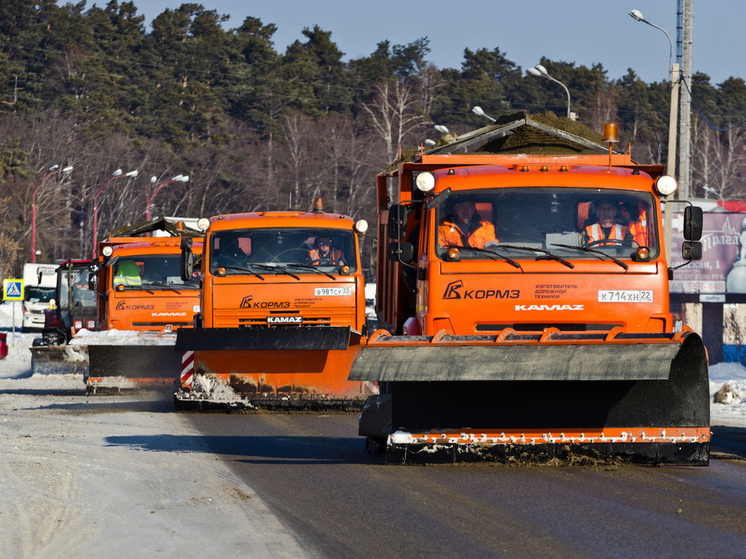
[13,290]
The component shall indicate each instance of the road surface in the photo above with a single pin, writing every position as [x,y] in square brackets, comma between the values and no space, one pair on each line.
[313,472]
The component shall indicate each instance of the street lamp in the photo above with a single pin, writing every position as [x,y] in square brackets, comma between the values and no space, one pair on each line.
[672,118]
[115,175]
[442,129]
[477,110]
[539,71]
[154,180]
[713,191]
[53,170]
[637,15]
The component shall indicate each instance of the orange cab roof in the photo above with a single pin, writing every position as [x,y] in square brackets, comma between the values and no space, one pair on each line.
[280,219]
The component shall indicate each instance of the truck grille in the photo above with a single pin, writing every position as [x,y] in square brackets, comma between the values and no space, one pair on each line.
[262,321]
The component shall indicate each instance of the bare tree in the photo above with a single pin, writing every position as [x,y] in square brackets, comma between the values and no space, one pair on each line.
[394,112]
[719,161]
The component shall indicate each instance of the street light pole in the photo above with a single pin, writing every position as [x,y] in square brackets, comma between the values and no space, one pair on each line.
[672,132]
[115,175]
[540,72]
[53,170]
[153,180]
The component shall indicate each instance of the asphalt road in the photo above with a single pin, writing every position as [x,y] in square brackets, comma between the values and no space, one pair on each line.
[313,472]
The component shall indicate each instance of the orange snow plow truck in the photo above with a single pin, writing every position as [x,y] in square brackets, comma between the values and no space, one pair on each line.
[524,306]
[283,309]
[142,302]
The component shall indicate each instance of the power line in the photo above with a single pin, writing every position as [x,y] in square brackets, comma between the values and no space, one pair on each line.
[739,123]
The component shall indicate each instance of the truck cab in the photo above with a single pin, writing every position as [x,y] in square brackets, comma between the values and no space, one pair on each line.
[140,287]
[39,281]
[283,309]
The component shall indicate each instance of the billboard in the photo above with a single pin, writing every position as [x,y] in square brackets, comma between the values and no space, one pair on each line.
[723,266]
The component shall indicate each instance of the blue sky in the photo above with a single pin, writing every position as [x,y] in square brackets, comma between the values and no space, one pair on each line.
[580,31]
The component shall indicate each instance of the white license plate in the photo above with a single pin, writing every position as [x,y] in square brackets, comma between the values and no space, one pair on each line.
[332,291]
[625,296]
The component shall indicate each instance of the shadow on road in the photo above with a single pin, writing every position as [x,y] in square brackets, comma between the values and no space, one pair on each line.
[265,450]
[730,441]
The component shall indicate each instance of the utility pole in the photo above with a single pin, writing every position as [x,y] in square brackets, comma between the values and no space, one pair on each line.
[685,15]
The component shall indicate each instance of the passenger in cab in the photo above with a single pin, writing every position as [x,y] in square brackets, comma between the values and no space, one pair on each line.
[463,227]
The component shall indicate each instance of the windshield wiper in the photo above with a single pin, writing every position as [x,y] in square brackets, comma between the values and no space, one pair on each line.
[160,284]
[275,267]
[244,270]
[547,254]
[313,269]
[596,252]
[492,253]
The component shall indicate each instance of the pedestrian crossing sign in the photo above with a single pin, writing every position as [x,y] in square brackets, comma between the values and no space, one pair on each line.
[13,290]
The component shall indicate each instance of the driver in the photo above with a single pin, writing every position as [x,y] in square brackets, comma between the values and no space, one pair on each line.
[324,254]
[606,226]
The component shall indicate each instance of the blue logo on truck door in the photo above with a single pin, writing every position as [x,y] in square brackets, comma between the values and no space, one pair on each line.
[454,291]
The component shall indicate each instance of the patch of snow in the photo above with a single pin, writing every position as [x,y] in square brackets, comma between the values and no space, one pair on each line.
[115,476]
[123,337]
[211,389]
[733,412]
[401,437]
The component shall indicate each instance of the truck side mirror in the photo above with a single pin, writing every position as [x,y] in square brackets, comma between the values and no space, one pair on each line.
[397,227]
[94,269]
[187,259]
[401,252]
[691,250]
[693,224]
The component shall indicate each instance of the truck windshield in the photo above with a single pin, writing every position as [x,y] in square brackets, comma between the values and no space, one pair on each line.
[150,272]
[300,250]
[82,295]
[569,223]
[39,294]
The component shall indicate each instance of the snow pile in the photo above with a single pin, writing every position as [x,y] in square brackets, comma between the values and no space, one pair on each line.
[211,389]
[115,476]
[732,410]
[123,337]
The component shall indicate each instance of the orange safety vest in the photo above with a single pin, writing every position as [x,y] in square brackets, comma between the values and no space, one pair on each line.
[639,229]
[334,257]
[594,233]
[450,234]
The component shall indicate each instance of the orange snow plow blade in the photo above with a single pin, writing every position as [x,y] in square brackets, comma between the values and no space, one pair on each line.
[273,368]
[538,396]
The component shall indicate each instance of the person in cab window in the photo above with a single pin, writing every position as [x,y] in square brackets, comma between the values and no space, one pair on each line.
[465,228]
[639,228]
[606,227]
[324,254]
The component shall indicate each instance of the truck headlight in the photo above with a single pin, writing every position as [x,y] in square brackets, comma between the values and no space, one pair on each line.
[665,185]
[361,226]
[425,181]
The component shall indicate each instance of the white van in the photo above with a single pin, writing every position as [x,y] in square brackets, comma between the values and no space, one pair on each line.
[39,282]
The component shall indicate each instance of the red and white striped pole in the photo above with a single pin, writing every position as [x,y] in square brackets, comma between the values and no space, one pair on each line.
[187,369]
